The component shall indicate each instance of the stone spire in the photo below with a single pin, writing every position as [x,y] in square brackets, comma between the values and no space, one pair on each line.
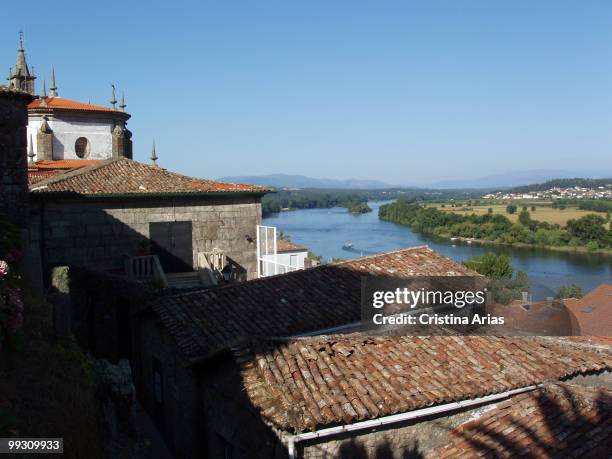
[113,100]
[154,157]
[31,151]
[44,126]
[21,78]
[43,93]
[122,104]
[44,141]
[53,86]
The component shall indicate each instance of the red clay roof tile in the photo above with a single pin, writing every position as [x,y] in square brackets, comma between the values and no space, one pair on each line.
[370,377]
[121,177]
[288,246]
[63,164]
[559,420]
[67,104]
[593,312]
[205,322]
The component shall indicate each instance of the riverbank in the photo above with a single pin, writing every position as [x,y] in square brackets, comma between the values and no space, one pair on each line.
[522,245]
[325,231]
[588,234]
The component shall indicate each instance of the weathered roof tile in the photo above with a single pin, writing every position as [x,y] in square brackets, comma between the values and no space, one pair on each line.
[523,361]
[559,420]
[120,177]
[298,302]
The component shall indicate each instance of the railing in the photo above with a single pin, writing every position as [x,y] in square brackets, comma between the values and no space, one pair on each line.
[271,268]
[210,265]
[146,268]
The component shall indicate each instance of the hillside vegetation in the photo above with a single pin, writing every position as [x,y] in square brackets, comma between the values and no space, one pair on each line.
[325,199]
[590,232]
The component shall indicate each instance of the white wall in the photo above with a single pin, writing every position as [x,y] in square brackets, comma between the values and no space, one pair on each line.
[294,258]
[67,131]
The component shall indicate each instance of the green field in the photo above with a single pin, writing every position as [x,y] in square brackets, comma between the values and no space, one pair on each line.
[544,211]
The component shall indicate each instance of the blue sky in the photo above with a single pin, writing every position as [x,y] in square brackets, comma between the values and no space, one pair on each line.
[400,91]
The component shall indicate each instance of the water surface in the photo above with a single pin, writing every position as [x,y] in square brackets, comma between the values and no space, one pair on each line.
[325,231]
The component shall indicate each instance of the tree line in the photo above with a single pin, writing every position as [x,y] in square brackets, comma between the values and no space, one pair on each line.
[325,199]
[589,231]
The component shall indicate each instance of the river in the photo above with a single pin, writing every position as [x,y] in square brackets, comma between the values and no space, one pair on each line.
[325,231]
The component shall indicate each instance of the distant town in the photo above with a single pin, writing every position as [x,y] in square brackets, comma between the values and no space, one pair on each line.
[576,192]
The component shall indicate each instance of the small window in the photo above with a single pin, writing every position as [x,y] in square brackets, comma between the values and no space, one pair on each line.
[81,147]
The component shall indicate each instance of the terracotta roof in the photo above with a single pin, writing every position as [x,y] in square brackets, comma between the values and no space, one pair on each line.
[42,170]
[120,177]
[205,322]
[37,176]
[59,103]
[288,246]
[63,164]
[311,383]
[541,318]
[593,312]
[559,420]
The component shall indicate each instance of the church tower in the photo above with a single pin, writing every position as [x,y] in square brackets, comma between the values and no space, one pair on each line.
[20,78]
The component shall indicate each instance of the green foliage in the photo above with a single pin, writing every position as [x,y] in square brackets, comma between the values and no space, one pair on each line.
[508,289]
[589,228]
[11,288]
[498,228]
[596,206]
[358,207]
[524,218]
[550,237]
[325,199]
[503,285]
[439,223]
[511,208]
[491,265]
[571,291]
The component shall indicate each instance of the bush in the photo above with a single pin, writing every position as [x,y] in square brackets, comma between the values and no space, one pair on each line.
[572,291]
[589,228]
[491,265]
[11,293]
[511,208]
[592,246]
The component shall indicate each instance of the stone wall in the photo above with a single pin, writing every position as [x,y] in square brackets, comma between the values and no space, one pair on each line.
[412,439]
[101,233]
[13,156]
[96,308]
[180,419]
[233,426]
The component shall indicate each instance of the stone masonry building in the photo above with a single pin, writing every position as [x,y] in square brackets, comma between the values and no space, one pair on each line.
[98,214]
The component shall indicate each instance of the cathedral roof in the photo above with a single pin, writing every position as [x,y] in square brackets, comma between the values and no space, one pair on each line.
[59,103]
[127,178]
